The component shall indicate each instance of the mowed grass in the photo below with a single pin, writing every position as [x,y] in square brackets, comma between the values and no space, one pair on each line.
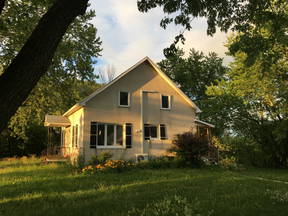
[29,187]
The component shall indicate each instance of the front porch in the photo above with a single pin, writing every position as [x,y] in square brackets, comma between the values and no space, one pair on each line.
[55,149]
[203,129]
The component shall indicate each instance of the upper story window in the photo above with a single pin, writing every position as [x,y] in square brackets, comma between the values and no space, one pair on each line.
[124,99]
[165,102]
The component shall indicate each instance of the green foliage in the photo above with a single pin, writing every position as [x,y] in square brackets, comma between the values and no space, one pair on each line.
[194,74]
[262,24]
[190,147]
[100,158]
[69,78]
[167,207]
[228,163]
[257,106]
[161,163]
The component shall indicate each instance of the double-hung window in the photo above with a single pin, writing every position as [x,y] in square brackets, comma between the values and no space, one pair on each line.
[163,132]
[124,99]
[109,135]
[150,132]
[165,102]
[74,135]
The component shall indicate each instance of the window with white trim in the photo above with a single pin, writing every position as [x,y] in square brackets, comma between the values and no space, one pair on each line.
[163,132]
[124,99]
[150,132]
[165,102]
[106,135]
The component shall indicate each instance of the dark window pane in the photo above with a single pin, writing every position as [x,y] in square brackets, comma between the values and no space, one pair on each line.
[93,129]
[163,131]
[128,141]
[153,131]
[119,136]
[124,98]
[110,134]
[165,101]
[128,135]
[101,134]
[128,129]
[146,132]
[93,141]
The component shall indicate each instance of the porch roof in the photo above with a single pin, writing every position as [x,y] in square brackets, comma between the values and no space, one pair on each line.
[204,123]
[56,121]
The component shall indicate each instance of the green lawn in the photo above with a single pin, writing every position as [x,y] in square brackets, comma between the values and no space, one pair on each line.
[31,188]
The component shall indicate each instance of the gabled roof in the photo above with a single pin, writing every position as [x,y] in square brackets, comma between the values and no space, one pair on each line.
[157,69]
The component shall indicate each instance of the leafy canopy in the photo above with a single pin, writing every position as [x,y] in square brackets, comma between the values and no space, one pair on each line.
[248,17]
[71,74]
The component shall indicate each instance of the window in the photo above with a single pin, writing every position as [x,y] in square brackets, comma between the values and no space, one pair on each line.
[63,137]
[150,132]
[124,99]
[110,135]
[76,136]
[165,102]
[119,135]
[128,135]
[163,135]
[93,135]
[73,135]
[102,135]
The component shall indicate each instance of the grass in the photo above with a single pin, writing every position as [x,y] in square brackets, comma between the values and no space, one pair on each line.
[28,187]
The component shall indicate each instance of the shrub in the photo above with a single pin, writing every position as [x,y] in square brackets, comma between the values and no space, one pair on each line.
[100,158]
[160,163]
[190,147]
[228,163]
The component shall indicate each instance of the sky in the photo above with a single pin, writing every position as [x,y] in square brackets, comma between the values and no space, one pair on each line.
[128,35]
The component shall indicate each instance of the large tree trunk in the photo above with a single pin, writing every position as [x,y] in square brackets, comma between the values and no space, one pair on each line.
[36,55]
[2,4]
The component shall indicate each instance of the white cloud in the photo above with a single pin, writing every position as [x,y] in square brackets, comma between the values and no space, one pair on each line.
[129,35]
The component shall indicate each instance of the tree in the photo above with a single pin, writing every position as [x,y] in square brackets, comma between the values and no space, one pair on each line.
[261,109]
[190,147]
[35,56]
[107,74]
[247,17]
[193,74]
[69,78]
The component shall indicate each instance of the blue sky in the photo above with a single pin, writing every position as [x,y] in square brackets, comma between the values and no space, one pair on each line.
[129,35]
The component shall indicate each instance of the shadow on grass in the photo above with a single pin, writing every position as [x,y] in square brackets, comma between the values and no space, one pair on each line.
[83,196]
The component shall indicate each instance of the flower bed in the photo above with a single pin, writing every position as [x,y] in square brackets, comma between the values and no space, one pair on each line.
[109,165]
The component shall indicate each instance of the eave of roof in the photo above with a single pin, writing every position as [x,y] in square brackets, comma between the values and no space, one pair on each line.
[73,109]
[205,123]
[56,121]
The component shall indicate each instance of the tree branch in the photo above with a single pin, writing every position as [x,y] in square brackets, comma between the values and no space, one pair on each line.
[2,5]
[36,55]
